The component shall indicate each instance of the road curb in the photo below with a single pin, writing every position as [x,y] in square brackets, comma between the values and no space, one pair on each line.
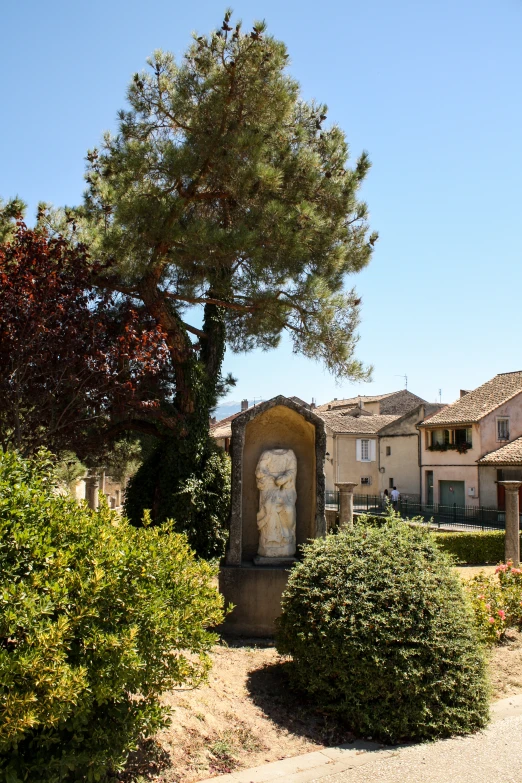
[320,763]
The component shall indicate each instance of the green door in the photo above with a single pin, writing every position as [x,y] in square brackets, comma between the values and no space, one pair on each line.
[451,492]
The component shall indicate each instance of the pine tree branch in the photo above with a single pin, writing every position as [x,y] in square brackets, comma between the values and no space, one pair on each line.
[218,302]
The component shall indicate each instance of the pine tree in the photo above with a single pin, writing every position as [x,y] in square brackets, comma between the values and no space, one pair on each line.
[223,192]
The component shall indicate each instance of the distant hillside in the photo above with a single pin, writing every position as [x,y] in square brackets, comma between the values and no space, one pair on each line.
[227,409]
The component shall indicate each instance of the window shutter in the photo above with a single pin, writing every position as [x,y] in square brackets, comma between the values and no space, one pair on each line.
[372,451]
[358,450]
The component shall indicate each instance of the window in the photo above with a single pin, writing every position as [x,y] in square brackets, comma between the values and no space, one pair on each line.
[391,484]
[388,451]
[462,437]
[503,429]
[365,450]
[440,437]
[366,480]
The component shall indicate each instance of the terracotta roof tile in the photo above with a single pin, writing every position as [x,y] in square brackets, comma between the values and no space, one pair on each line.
[509,454]
[351,425]
[353,401]
[397,402]
[479,402]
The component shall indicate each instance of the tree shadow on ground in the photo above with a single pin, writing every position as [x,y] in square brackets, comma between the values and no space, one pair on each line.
[270,690]
[146,763]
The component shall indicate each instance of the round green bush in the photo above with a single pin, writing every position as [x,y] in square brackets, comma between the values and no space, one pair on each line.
[381,634]
[97,619]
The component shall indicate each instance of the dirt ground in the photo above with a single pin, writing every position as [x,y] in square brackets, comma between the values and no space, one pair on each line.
[246,715]
[469,571]
[506,666]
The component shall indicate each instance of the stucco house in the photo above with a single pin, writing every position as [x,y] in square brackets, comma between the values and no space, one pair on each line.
[471,444]
[374,441]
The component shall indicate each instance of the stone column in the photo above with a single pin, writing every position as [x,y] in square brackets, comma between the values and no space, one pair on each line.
[235,542]
[346,489]
[92,485]
[512,545]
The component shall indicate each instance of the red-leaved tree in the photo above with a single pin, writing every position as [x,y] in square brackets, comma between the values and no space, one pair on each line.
[75,363]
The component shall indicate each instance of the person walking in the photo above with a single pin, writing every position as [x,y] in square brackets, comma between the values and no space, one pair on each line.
[395,495]
[386,500]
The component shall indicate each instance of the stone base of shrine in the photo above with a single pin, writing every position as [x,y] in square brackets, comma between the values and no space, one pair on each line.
[256,593]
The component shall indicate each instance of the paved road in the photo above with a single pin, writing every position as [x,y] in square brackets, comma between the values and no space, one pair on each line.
[493,756]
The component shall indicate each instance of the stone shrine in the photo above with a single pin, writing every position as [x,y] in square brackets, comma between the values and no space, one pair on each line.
[278,451]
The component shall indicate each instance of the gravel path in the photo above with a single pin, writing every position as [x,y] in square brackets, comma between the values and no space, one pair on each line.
[493,756]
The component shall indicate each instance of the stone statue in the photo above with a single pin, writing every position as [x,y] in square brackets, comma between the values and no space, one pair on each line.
[275,474]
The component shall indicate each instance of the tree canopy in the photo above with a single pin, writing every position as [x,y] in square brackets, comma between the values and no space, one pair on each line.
[225,209]
[74,363]
[223,187]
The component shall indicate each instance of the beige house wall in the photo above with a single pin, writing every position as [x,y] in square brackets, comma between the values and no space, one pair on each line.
[440,458]
[452,466]
[342,464]
[402,464]
[329,465]
[488,486]
[488,425]
[466,473]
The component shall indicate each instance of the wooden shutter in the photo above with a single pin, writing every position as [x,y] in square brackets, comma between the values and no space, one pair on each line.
[358,450]
[371,451]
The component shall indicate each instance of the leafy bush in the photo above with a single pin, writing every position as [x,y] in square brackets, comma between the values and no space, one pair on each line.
[196,498]
[476,547]
[381,633]
[497,601]
[96,620]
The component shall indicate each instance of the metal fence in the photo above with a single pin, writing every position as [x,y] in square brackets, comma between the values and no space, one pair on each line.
[447,516]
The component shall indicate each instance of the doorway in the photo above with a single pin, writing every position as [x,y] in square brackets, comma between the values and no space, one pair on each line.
[452,493]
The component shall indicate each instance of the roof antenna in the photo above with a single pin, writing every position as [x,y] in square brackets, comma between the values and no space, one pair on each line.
[405,380]
[440,395]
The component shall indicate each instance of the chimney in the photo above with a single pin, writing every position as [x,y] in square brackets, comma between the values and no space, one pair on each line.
[361,403]
[329,407]
[312,404]
[213,420]
[244,405]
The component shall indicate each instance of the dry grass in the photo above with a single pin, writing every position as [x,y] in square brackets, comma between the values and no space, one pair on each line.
[246,715]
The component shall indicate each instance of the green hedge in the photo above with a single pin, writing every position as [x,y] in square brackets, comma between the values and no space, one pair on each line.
[479,547]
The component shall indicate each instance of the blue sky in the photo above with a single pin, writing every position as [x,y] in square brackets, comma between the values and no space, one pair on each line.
[431,89]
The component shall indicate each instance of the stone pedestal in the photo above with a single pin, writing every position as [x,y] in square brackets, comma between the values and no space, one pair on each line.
[256,593]
[512,545]
[346,489]
[259,560]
